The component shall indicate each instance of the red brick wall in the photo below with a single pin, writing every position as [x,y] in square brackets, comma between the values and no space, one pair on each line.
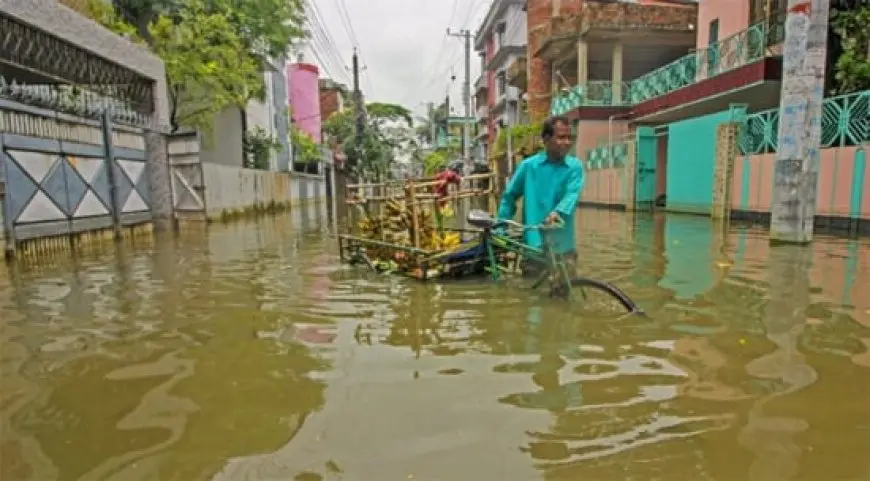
[539,76]
[329,103]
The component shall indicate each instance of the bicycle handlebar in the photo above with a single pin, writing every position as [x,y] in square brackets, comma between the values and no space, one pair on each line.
[555,225]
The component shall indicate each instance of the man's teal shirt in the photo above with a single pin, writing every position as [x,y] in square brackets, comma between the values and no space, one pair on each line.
[545,187]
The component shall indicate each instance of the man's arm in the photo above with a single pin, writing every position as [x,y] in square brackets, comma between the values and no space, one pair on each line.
[507,208]
[568,204]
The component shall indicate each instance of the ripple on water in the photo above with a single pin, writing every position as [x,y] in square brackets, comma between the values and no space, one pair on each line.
[248,353]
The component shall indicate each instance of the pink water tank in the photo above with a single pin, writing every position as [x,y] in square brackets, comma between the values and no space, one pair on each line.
[304,97]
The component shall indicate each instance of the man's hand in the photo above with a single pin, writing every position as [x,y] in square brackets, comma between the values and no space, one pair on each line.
[553,218]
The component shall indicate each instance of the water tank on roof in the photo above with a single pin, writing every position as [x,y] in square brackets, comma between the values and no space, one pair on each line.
[304,97]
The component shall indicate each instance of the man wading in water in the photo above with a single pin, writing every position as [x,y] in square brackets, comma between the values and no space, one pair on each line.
[549,183]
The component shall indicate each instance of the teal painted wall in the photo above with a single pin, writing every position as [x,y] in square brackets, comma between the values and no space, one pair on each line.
[691,154]
[645,188]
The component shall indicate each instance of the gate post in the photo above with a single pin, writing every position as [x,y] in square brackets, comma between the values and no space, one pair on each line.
[7,241]
[109,159]
[157,162]
[727,135]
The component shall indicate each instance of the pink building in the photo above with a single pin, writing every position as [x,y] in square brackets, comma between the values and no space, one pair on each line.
[304,97]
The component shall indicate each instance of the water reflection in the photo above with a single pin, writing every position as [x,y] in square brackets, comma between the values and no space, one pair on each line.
[247,353]
[146,366]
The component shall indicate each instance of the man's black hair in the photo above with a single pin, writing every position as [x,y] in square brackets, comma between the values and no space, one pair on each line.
[549,128]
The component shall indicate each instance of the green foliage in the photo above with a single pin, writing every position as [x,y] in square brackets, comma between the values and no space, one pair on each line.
[434,161]
[259,146]
[387,133]
[207,66]
[305,150]
[853,65]
[525,140]
[214,50]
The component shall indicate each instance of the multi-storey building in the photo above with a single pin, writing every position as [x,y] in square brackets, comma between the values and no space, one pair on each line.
[500,41]
[652,86]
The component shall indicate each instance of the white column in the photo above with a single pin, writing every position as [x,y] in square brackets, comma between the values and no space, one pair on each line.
[582,62]
[616,73]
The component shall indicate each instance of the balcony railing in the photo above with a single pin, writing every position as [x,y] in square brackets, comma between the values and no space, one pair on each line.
[844,123]
[742,48]
[597,93]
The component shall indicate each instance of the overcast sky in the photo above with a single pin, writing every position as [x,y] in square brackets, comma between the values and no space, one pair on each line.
[404,51]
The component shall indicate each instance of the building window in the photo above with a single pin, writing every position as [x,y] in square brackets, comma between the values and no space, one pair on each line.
[501,83]
[499,34]
[713,36]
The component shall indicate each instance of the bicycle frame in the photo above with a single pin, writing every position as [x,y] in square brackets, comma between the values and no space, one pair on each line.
[555,269]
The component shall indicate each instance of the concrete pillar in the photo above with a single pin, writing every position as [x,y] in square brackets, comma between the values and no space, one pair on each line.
[616,73]
[158,170]
[582,62]
[796,171]
[723,168]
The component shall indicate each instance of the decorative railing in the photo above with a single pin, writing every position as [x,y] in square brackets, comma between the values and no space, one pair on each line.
[599,93]
[845,122]
[71,100]
[607,156]
[742,48]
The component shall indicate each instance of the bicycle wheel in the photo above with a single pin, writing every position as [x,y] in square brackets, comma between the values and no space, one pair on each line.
[605,294]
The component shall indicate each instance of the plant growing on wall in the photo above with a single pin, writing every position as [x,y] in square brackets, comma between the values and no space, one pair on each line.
[525,140]
[259,146]
[305,150]
[853,64]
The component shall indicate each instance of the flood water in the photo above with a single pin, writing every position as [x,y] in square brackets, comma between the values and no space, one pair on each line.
[249,353]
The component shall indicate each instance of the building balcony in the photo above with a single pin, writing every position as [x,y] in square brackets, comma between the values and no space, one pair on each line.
[742,56]
[511,95]
[615,21]
[516,73]
[482,112]
[743,48]
[503,54]
[480,84]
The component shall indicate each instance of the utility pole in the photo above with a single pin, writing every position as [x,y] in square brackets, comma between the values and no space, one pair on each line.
[433,129]
[465,35]
[359,113]
[796,170]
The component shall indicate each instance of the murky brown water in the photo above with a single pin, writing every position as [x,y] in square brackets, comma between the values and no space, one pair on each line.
[250,354]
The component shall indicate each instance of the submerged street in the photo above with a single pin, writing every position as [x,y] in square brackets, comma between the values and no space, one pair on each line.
[248,352]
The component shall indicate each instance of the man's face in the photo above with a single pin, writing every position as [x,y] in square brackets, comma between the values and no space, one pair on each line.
[560,143]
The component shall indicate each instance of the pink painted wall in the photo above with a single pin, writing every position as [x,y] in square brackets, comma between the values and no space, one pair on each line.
[733,17]
[591,133]
[304,97]
[604,186]
[836,168]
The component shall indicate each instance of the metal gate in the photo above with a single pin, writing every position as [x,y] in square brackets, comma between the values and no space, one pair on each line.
[66,175]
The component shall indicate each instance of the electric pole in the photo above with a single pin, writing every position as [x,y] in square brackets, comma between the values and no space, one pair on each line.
[359,114]
[796,170]
[432,127]
[465,35]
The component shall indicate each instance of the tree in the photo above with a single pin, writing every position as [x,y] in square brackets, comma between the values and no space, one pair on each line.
[214,50]
[853,64]
[207,65]
[387,135]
